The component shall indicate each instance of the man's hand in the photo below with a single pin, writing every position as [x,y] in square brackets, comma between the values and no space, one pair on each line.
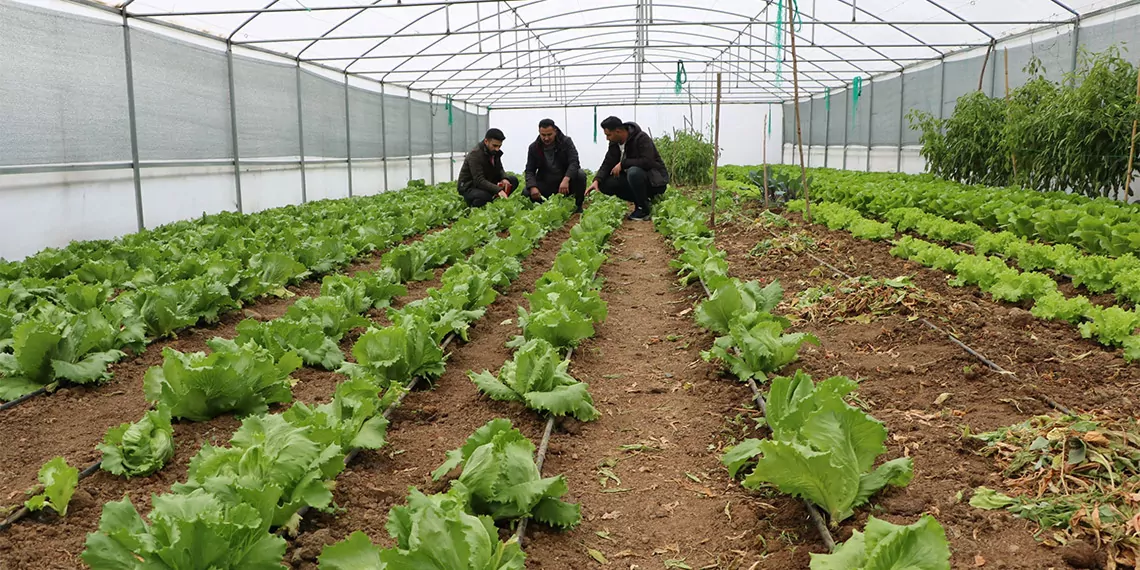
[592,187]
[616,170]
[502,193]
[534,193]
[505,185]
[564,188]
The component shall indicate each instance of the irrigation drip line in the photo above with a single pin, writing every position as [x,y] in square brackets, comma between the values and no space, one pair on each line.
[813,512]
[981,357]
[23,399]
[539,460]
[23,512]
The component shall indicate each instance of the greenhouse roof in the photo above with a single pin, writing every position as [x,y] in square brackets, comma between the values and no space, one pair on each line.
[530,53]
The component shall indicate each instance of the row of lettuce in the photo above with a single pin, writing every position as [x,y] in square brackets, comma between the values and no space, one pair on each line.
[500,481]
[1112,326]
[279,464]
[66,314]
[821,449]
[1100,226]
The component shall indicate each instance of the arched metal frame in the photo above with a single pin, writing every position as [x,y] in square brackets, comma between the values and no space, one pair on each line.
[533,67]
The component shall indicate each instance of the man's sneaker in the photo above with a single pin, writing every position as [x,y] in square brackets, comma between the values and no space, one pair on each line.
[638,215]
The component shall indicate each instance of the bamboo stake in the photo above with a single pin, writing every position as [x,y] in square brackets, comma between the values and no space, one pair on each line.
[1132,149]
[716,154]
[796,95]
[1012,154]
[767,118]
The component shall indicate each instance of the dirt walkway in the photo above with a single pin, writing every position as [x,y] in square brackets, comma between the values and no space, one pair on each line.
[648,475]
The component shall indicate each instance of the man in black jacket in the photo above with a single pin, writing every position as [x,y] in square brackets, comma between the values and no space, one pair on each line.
[552,165]
[633,169]
[481,179]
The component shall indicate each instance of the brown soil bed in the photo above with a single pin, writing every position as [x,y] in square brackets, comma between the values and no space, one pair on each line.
[905,368]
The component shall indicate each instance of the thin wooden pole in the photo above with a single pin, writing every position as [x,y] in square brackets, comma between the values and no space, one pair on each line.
[716,153]
[767,117]
[1132,149]
[985,62]
[796,95]
[1012,153]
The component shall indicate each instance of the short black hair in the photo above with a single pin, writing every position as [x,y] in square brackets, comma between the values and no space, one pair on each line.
[613,123]
[494,135]
[547,124]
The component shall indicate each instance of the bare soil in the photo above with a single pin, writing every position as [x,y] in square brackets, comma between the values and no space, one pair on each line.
[929,392]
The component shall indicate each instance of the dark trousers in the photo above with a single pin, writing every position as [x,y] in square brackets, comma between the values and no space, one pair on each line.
[632,186]
[478,197]
[549,188]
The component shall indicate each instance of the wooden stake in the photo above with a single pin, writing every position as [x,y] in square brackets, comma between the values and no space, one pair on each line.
[1132,149]
[985,62]
[1012,154]
[716,154]
[767,117]
[796,95]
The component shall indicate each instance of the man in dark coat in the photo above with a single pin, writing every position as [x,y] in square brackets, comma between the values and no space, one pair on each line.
[481,179]
[633,169]
[552,165]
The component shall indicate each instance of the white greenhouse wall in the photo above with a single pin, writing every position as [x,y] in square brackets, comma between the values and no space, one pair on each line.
[742,127]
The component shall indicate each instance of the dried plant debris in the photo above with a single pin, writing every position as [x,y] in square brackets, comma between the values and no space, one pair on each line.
[796,242]
[862,299]
[1076,476]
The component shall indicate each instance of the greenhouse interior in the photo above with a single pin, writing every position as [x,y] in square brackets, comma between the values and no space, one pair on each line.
[367,284]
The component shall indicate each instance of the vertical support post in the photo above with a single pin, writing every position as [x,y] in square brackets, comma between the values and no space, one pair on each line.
[942,90]
[902,112]
[716,153]
[133,123]
[796,94]
[767,117]
[1076,42]
[384,135]
[826,126]
[431,107]
[301,135]
[410,173]
[234,125]
[870,120]
[348,132]
[986,62]
[849,109]
[451,141]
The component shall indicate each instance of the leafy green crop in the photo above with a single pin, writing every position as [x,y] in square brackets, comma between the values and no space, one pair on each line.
[59,480]
[239,379]
[396,354]
[822,449]
[269,451]
[503,480]
[537,376]
[141,448]
[734,300]
[189,532]
[886,546]
[754,352]
[433,532]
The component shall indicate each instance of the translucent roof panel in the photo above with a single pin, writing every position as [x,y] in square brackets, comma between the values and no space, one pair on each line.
[581,52]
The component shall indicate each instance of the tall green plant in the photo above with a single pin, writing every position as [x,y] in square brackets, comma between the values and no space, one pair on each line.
[688,157]
[1072,135]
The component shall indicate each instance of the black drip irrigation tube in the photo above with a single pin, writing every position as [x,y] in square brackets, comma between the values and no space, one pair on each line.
[22,399]
[23,511]
[540,458]
[981,357]
[813,512]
